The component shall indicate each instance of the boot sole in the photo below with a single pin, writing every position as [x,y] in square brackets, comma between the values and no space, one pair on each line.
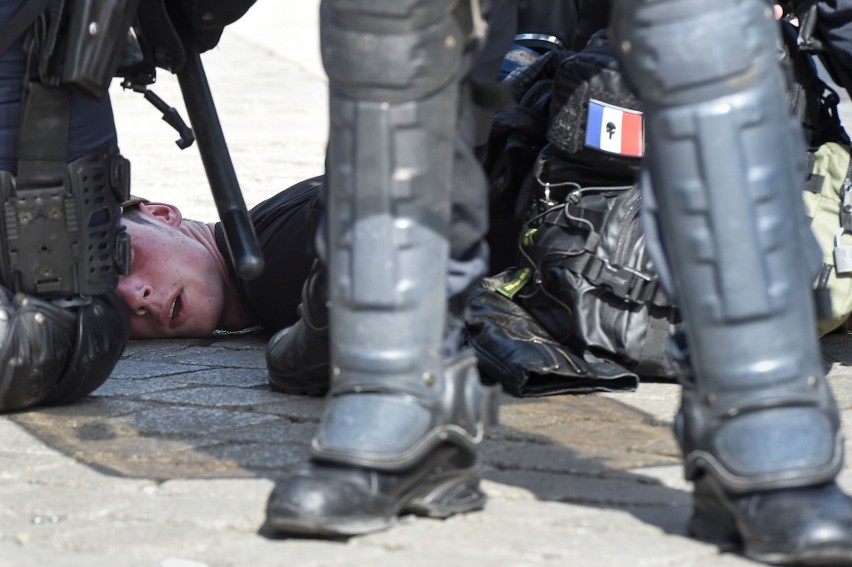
[439,496]
[714,524]
[829,555]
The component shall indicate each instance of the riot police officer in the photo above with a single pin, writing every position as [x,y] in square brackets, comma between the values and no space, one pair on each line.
[62,325]
[758,425]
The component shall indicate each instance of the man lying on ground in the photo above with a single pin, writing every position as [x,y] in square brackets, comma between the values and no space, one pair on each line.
[182,282]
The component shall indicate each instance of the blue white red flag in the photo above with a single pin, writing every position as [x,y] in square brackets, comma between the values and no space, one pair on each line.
[614,129]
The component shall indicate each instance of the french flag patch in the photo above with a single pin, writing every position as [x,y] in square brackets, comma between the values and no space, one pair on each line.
[614,129]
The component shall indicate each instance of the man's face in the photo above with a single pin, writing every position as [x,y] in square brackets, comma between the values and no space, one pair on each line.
[175,287]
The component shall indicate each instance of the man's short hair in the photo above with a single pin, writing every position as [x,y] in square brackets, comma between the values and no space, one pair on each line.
[130,210]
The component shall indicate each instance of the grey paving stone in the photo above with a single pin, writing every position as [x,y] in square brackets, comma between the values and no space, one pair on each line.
[263,456]
[237,377]
[224,358]
[151,368]
[136,389]
[92,407]
[278,431]
[211,396]
[295,408]
[194,420]
[153,349]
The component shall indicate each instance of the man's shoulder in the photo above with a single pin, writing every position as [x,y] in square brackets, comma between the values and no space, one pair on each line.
[301,192]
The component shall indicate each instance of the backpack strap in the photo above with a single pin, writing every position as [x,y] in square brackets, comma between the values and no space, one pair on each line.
[655,344]
[846,200]
[627,284]
[814,181]
[43,136]
[843,254]
[29,11]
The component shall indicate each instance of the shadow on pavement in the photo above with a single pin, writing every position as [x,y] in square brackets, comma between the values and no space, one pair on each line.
[195,409]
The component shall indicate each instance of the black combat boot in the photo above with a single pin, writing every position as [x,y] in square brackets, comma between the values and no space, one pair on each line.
[340,501]
[435,475]
[795,526]
[297,357]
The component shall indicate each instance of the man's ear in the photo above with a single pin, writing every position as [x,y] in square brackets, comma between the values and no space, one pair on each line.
[162,212]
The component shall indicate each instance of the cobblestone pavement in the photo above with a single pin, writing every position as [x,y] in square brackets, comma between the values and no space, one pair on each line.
[170,462]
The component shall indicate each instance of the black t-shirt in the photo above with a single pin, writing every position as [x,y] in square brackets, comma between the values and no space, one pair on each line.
[285,231]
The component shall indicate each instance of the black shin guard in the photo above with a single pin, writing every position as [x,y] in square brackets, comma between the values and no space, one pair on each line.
[297,357]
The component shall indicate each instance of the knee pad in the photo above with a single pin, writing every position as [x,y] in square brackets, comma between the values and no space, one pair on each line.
[36,339]
[102,331]
[51,355]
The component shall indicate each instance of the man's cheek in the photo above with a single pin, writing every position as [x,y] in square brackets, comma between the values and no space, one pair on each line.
[138,329]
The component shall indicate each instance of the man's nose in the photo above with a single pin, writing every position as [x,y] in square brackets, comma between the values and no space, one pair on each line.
[135,294]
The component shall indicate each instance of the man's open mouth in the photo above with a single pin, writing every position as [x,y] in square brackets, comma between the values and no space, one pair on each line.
[176,310]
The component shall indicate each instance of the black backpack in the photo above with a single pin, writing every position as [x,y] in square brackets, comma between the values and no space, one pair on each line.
[579,307]
[588,312]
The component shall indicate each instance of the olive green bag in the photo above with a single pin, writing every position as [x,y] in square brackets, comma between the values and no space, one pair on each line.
[828,203]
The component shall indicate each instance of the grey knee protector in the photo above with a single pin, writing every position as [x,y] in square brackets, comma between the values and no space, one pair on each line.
[393,73]
[390,52]
[726,161]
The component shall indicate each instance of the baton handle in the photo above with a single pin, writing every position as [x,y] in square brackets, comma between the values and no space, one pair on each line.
[240,235]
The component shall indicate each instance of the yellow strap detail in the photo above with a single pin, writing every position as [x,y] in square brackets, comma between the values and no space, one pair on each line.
[510,288]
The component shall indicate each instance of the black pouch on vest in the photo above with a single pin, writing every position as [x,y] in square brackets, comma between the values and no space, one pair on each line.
[97,38]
